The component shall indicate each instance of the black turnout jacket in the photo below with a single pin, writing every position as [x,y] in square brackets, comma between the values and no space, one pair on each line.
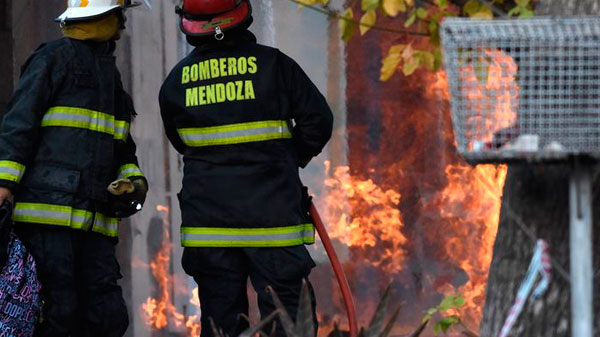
[245,117]
[65,136]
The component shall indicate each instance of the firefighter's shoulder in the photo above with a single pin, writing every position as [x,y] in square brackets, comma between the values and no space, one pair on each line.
[56,53]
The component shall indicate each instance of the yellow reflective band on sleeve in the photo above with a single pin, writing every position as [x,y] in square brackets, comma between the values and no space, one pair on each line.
[121,130]
[79,118]
[65,216]
[248,237]
[235,133]
[11,171]
[106,225]
[128,171]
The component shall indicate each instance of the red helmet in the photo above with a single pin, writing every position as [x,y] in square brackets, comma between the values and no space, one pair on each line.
[212,17]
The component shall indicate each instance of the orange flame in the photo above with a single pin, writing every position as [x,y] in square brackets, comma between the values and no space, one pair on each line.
[497,94]
[470,206]
[471,200]
[159,312]
[362,214]
[367,217]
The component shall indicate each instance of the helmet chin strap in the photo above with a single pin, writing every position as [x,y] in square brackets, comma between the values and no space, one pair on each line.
[219,35]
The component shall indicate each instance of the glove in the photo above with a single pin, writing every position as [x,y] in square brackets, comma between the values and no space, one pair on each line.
[127,196]
[306,199]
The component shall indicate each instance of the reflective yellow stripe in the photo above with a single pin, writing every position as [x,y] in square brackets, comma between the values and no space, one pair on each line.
[105,225]
[65,216]
[11,170]
[86,119]
[235,133]
[247,237]
[121,130]
[128,171]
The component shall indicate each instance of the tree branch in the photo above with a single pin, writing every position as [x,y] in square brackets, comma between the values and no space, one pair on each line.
[334,14]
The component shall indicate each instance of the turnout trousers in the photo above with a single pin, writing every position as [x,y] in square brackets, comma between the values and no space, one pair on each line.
[222,276]
[79,272]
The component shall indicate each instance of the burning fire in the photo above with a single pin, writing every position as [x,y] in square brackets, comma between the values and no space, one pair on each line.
[363,215]
[159,312]
[470,208]
[491,89]
[459,219]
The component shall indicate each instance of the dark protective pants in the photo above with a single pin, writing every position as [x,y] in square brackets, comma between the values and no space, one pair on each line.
[222,275]
[79,272]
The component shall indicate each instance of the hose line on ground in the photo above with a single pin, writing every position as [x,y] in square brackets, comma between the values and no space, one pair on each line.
[337,268]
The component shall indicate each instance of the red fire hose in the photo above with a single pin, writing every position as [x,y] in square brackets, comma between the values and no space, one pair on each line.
[337,268]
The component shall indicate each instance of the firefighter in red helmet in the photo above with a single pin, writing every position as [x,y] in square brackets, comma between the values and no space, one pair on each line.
[246,118]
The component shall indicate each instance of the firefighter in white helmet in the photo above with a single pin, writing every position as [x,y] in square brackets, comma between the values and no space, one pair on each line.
[64,139]
[245,117]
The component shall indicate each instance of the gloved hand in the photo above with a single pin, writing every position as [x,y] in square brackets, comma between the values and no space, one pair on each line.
[127,196]
[306,199]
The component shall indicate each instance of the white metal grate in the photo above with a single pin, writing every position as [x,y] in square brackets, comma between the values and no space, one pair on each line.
[524,89]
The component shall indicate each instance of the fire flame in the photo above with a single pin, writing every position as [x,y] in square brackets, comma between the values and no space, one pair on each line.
[462,215]
[363,215]
[470,207]
[159,312]
[491,89]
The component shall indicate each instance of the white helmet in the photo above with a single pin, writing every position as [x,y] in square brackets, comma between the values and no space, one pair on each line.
[89,9]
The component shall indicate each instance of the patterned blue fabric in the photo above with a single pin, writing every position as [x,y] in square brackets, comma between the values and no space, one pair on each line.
[19,292]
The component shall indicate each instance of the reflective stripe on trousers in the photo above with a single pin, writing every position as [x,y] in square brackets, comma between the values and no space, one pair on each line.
[86,119]
[248,237]
[235,133]
[11,170]
[57,215]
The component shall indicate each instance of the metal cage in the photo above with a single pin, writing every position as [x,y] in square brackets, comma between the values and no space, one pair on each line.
[524,89]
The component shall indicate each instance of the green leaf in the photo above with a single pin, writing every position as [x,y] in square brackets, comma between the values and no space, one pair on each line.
[526,13]
[391,62]
[410,67]
[442,4]
[422,13]
[346,24]
[514,11]
[522,3]
[471,7]
[393,7]
[369,5]
[484,13]
[367,21]
[450,302]
[447,322]
[434,33]
[411,19]
[438,59]
[459,301]
[426,59]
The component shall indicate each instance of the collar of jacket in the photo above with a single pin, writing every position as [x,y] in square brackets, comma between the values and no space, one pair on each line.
[231,40]
[103,48]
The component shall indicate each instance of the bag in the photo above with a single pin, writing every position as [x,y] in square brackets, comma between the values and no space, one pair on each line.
[20,302]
